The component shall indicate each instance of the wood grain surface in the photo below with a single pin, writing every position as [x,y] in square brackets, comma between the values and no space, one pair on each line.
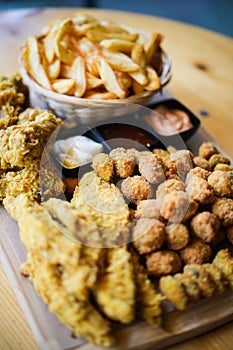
[202,80]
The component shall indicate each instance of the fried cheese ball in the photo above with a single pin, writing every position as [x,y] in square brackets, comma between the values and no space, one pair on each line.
[148,235]
[182,161]
[202,163]
[218,158]
[136,188]
[202,278]
[196,252]
[200,190]
[207,149]
[174,292]
[103,166]
[149,208]
[223,208]
[197,171]
[151,169]
[124,162]
[163,262]
[205,225]
[222,183]
[230,234]
[175,206]
[169,186]
[177,236]
[224,262]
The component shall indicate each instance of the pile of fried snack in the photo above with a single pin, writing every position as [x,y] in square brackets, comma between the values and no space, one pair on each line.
[144,227]
[86,57]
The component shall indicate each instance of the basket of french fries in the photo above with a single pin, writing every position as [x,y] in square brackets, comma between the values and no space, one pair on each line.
[79,63]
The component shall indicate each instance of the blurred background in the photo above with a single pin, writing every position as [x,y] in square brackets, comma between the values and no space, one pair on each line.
[215,15]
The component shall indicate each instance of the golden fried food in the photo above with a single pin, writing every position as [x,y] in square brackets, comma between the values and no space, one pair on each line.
[218,277]
[205,225]
[222,183]
[148,208]
[175,206]
[136,189]
[115,288]
[151,169]
[149,301]
[174,292]
[100,203]
[177,236]
[202,278]
[207,149]
[163,262]
[224,262]
[148,235]
[197,171]
[124,161]
[63,272]
[190,285]
[216,159]
[163,156]
[13,99]
[200,190]
[169,186]
[32,137]
[196,252]
[223,209]
[181,162]
[103,166]
[191,211]
[202,163]
[223,167]
[230,234]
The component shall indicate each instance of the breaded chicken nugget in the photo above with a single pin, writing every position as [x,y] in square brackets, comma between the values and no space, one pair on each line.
[200,190]
[151,169]
[175,206]
[197,171]
[222,183]
[177,236]
[103,166]
[149,208]
[169,186]
[124,162]
[182,161]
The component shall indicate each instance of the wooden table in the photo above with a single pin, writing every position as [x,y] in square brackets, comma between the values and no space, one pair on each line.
[202,80]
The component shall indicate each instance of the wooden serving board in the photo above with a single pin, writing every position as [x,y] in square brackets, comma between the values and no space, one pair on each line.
[50,334]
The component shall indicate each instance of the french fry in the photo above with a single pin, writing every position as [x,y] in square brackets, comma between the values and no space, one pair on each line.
[79,75]
[109,79]
[92,65]
[97,95]
[66,71]
[154,83]
[66,56]
[86,47]
[98,35]
[92,81]
[140,76]
[120,61]
[137,88]
[124,80]
[118,45]
[82,18]
[63,86]
[53,69]
[138,55]
[152,45]
[33,62]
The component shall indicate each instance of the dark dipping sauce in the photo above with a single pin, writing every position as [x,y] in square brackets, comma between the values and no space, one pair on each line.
[126,135]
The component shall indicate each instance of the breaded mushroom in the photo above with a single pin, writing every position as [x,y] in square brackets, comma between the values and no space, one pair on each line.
[149,208]
[218,158]
[177,236]
[222,183]
[207,149]
[136,188]
[205,225]
[196,252]
[223,208]
[163,262]
[169,186]
[151,169]
[148,235]
[103,166]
